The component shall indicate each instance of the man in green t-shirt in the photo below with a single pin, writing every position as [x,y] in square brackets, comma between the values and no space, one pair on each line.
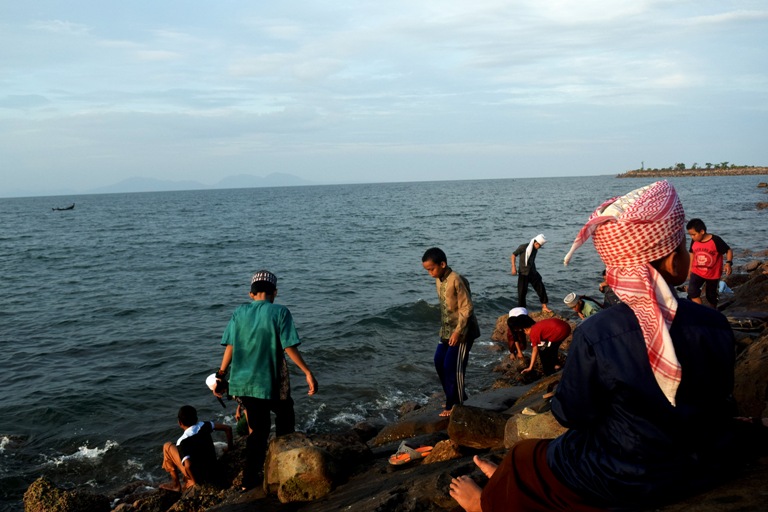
[256,339]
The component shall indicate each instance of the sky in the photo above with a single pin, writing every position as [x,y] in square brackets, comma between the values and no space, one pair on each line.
[95,92]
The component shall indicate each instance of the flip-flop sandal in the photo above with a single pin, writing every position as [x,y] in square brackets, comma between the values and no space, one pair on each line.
[406,454]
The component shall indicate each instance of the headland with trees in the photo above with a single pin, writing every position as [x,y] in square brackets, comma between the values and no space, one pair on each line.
[695,169]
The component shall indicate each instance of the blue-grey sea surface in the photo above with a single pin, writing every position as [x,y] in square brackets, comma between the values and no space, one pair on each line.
[111,314]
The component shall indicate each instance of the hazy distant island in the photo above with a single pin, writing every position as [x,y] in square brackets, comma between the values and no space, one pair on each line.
[709,169]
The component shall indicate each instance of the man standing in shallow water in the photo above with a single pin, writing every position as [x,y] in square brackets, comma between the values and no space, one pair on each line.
[527,274]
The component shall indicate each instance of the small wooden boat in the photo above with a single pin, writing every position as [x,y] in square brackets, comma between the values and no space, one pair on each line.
[70,207]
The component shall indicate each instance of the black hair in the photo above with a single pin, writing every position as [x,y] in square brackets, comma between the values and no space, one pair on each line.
[263,286]
[517,333]
[188,416]
[696,225]
[435,255]
[520,322]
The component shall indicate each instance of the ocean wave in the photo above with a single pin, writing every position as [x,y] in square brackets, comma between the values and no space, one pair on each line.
[83,453]
[313,417]
[11,441]
[417,312]
[348,418]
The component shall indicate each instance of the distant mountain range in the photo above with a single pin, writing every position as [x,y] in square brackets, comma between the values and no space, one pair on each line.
[137,184]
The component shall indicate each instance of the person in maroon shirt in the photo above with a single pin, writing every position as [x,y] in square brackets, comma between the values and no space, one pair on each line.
[545,335]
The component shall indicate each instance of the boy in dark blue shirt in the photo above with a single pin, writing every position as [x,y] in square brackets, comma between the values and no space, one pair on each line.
[193,455]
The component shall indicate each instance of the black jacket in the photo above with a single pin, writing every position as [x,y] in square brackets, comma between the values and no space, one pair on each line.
[627,444]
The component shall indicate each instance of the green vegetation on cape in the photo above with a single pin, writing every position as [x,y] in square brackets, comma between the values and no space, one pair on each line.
[709,169]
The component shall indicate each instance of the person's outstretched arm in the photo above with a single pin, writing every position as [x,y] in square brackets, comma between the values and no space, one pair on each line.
[227,431]
[295,356]
[534,355]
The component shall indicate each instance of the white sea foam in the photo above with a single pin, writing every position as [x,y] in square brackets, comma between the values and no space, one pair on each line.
[394,398]
[313,416]
[347,418]
[84,453]
[4,441]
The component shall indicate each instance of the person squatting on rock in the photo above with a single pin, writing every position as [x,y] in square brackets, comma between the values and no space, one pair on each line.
[516,337]
[646,390]
[193,456]
[256,339]
[458,327]
[527,274]
[545,335]
[707,252]
[582,305]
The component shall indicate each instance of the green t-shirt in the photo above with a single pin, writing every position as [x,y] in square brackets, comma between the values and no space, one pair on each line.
[590,308]
[259,332]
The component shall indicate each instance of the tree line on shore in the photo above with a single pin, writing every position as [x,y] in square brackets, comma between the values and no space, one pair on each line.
[695,169]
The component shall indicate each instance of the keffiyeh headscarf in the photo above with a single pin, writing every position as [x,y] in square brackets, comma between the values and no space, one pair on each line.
[528,250]
[629,232]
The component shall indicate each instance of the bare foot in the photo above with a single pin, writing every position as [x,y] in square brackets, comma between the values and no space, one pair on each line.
[445,413]
[488,468]
[466,493]
[171,486]
[545,309]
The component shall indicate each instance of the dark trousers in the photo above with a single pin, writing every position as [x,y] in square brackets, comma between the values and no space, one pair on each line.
[257,411]
[451,365]
[534,279]
[548,356]
[711,287]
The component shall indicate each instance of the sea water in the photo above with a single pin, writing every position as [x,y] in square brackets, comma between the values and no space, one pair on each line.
[111,314]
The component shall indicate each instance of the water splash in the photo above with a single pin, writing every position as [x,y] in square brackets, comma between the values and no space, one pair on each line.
[83,453]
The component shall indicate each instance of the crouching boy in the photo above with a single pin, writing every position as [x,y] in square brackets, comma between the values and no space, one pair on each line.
[193,455]
[546,337]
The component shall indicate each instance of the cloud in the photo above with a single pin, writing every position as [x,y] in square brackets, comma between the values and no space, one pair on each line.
[728,18]
[156,55]
[60,27]
[23,101]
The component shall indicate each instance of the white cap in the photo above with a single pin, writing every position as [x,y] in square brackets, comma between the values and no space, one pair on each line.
[571,300]
[517,312]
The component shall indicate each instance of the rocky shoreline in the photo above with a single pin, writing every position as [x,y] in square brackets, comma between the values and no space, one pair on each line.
[350,470]
[698,172]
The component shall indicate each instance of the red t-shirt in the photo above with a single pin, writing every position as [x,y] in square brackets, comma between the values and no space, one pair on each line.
[552,329]
[707,261]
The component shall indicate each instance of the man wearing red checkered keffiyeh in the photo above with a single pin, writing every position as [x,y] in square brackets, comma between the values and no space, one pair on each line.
[630,232]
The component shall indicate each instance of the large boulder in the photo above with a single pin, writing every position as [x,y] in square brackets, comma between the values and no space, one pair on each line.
[298,470]
[751,295]
[751,380]
[500,329]
[444,450]
[531,426]
[303,474]
[477,428]
[421,421]
[347,450]
[43,496]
